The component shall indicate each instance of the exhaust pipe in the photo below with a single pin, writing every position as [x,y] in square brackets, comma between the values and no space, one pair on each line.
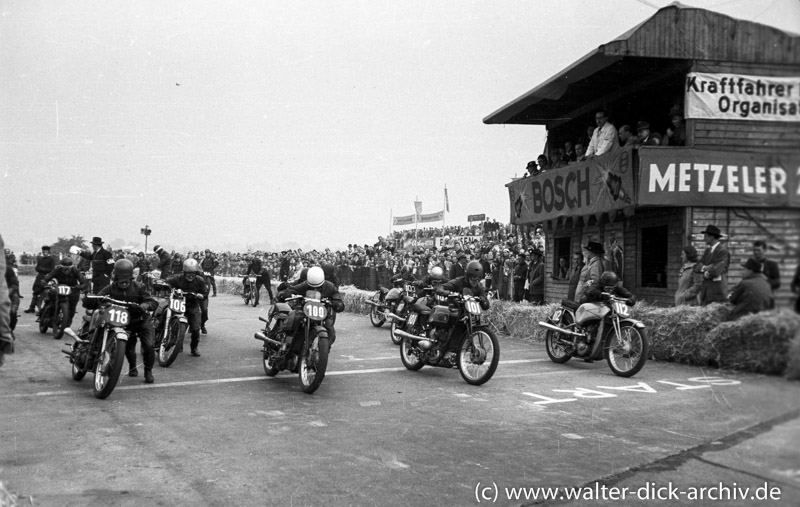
[371,303]
[263,338]
[396,318]
[423,342]
[69,332]
[558,329]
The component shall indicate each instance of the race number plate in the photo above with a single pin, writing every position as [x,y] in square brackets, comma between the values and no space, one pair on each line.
[206,273]
[315,310]
[64,290]
[472,307]
[177,305]
[621,308]
[412,319]
[556,317]
[117,316]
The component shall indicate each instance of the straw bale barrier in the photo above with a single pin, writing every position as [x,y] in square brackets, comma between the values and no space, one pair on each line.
[768,342]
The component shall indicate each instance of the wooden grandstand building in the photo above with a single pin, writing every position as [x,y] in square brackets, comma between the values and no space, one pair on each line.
[738,85]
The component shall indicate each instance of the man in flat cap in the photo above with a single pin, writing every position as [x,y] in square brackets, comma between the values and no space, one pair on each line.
[714,267]
[593,251]
[753,294]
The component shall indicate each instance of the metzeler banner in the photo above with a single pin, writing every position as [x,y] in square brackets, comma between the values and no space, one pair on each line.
[740,97]
[406,220]
[600,184]
[688,177]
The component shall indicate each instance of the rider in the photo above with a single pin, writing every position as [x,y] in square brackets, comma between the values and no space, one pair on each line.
[124,288]
[67,274]
[254,266]
[470,280]
[44,265]
[164,262]
[209,264]
[189,281]
[599,290]
[315,280]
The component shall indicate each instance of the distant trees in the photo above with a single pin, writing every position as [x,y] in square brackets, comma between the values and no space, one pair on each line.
[62,245]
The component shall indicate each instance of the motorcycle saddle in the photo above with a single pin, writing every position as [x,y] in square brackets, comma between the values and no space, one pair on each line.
[568,303]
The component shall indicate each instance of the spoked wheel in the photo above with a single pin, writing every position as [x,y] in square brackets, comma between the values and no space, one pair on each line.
[269,370]
[375,315]
[397,340]
[256,297]
[626,354]
[408,355]
[77,370]
[170,347]
[313,363]
[558,352]
[43,321]
[59,322]
[246,296]
[109,366]
[478,356]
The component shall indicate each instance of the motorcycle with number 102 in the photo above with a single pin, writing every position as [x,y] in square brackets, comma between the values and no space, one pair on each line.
[573,330]
[448,335]
[100,345]
[295,338]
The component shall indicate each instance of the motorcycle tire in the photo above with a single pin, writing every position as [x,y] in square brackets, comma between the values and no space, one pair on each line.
[169,349]
[479,356]
[313,363]
[376,317]
[111,363]
[397,340]
[555,351]
[77,370]
[44,323]
[256,297]
[269,371]
[60,322]
[408,356]
[626,355]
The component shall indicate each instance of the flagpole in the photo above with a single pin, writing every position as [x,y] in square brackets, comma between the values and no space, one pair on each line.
[444,208]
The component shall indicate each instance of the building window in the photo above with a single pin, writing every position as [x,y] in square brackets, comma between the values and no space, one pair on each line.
[562,253]
[653,260]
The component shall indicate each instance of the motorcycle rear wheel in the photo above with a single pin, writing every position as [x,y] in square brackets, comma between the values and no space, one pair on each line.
[168,350]
[109,366]
[555,351]
[409,357]
[59,322]
[626,355]
[313,363]
[479,356]
[269,370]
[376,317]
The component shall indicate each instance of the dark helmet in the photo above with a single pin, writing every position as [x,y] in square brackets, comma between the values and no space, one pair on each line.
[608,279]
[474,269]
[123,269]
[157,249]
[330,272]
[66,261]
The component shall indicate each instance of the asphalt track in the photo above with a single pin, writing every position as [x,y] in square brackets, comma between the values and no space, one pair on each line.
[214,430]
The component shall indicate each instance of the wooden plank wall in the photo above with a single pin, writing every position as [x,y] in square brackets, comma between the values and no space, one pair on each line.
[780,228]
[744,135]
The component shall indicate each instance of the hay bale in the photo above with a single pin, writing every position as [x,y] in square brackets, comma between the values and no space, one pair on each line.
[519,320]
[793,367]
[757,343]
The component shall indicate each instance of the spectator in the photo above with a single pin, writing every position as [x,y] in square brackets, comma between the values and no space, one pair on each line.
[574,274]
[689,280]
[769,268]
[646,137]
[569,153]
[562,273]
[458,269]
[520,277]
[536,278]
[6,337]
[626,137]
[753,294]
[531,169]
[604,137]
[580,152]
[796,288]
[544,164]
[676,135]
[714,268]
[558,160]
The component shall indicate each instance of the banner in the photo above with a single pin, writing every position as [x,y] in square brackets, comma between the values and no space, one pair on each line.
[446,201]
[600,184]
[476,218]
[418,208]
[406,220]
[453,241]
[432,217]
[740,97]
[414,243]
[689,177]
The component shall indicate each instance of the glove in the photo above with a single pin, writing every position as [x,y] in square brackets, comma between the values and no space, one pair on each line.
[200,297]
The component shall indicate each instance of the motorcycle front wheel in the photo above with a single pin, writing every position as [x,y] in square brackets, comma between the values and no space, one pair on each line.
[77,371]
[109,366]
[43,319]
[409,357]
[313,363]
[375,315]
[478,356]
[60,321]
[256,297]
[626,354]
[397,340]
[169,349]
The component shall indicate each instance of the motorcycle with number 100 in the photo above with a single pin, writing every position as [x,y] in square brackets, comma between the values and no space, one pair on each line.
[448,335]
[100,345]
[573,331]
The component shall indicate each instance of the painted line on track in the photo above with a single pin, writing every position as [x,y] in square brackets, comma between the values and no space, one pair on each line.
[235,379]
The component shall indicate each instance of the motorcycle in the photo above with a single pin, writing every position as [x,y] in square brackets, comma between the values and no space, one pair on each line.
[296,340]
[249,291]
[391,304]
[448,335]
[170,323]
[100,344]
[149,277]
[55,310]
[572,331]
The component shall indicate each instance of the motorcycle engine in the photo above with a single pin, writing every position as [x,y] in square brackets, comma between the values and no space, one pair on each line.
[583,344]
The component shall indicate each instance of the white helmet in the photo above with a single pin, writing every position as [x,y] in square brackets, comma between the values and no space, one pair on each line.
[315,276]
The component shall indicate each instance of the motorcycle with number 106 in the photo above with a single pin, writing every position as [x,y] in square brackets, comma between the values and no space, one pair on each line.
[574,330]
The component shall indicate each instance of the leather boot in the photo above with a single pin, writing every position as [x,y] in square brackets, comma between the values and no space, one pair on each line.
[148,376]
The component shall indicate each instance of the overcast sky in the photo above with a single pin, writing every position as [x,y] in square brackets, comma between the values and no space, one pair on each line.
[227,124]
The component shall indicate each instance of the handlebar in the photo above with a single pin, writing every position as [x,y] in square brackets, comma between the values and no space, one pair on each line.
[107,299]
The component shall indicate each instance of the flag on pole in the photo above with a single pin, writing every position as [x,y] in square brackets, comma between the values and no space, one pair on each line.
[418,208]
[446,201]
